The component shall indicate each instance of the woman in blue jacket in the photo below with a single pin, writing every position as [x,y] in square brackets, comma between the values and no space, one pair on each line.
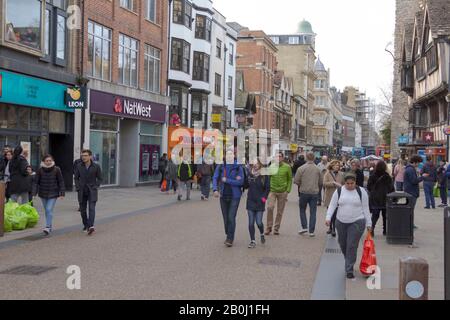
[228,181]
[258,191]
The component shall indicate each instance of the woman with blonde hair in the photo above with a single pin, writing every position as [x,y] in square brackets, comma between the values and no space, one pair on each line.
[332,180]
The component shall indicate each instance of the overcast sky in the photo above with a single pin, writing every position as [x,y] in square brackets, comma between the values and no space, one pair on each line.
[351,34]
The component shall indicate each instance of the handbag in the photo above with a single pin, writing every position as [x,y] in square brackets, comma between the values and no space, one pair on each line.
[369,258]
[164,186]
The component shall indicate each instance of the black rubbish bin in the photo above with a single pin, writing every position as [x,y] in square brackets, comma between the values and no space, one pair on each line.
[400,218]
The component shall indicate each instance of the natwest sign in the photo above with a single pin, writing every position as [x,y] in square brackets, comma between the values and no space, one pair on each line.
[120,106]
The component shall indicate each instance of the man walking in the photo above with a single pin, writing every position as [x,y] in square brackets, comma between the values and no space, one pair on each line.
[280,187]
[309,180]
[442,179]
[185,174]
[88,178]
[323,166]
[429,183]
[411,180]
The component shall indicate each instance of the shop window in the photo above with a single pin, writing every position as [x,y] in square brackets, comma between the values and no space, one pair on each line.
[8,116]
[99,51]
[128,61]
[105,123]
[104,150]
[24,118]
[57,121]
[151,128]
[36,119]
[45,120]
[23,23]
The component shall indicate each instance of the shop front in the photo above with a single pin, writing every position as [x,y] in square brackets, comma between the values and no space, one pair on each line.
[33,114]
[126,138]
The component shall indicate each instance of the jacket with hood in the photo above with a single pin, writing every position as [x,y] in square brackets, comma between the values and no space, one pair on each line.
[49,182]
[379,186]
[231,172]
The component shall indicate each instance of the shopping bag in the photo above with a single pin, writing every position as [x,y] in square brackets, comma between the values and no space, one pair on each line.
[369,258]
[164,186]
[31,213]
[436,191]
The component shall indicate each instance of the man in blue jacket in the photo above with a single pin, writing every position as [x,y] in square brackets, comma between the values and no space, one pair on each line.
[429,183]
[411,180]
[228,181]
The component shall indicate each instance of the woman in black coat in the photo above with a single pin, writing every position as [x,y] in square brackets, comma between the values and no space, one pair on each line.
[258,191]
[355,164]
[379,186]
[49,186]
[18,184]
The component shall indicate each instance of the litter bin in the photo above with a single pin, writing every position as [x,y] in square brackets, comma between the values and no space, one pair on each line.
[400,218]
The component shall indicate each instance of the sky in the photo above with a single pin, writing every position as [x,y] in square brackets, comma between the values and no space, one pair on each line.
[352,35]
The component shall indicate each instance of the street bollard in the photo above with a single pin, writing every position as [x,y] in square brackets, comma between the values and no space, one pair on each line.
[413,280]
[447,253]
[2,207]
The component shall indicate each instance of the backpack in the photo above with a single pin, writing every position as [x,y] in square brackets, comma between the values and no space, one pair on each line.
[358,189]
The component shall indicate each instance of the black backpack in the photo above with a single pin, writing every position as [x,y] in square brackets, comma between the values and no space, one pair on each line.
[358,189]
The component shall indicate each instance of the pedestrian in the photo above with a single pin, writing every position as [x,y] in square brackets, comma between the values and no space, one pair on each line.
[399,174]
[185,174]
[49,186]
[171,176]
[442,181]
[380,184]
[31,178]
[162,166]
[323,166]
[412,180]
[351,205]
[309,180]
[280,187]
[88,178]
[204,173]
[297,164]
[6,173]
[227,183]
[18,184]
[258,192]
[344,166]
[75,166]
[429,182]
[355,166]
[333,179]
[4,160]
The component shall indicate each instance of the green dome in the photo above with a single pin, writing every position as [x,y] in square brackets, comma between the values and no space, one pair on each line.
[305,27]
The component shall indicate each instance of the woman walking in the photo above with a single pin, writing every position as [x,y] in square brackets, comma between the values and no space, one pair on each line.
[351,204]
[399,174]
[171,176]
[379,186]
[204,174]
[18,184]
[49,186]
[332,180]
[258,191]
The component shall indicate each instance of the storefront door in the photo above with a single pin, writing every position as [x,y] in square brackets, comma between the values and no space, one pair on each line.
[104,148]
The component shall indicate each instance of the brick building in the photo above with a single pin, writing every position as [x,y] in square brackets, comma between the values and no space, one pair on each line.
[124,62]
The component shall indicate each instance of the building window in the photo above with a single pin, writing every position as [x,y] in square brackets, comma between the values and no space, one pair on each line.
[228,119]
[320,101]
[420,69]
[128,61]
[219,49]
[203,28]
[152,68]
[181,55]
[431,57]
[199,109]
[230,88]
[201,67]
[55,33]
[182,13]
[319,84]
[23,23]
[151,10]
[218,85]
[179,105]
[99,51]
[294,40]
[276,40]
[231,57]
[127,4]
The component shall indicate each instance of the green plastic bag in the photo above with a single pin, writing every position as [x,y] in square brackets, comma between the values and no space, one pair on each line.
[10,207]
[7,224]
[19,220]
[31,213]
[436,191]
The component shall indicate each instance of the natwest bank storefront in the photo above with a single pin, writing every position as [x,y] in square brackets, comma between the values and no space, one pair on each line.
[126,138]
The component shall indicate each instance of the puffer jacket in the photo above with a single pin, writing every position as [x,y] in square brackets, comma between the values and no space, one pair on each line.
[49,183]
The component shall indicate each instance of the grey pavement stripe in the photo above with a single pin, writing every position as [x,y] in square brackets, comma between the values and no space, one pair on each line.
[28,270]
[78,227]
[280,262]
[330,283]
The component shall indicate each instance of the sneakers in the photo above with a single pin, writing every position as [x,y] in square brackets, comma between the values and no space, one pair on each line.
[252,245]
[179,197]
[302,231]
[202,197]
[46,231]
[91,231]
[229,243]
[442,205]
[263,239]
[312,235]
[85,229]
[350,275]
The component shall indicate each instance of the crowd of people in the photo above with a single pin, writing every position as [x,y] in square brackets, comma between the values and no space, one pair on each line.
[353,203]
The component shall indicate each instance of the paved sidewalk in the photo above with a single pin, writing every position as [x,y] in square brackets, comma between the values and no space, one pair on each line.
[429,239]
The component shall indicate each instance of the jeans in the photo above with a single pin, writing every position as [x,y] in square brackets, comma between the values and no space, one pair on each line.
[23,197]
[376,216]
[187,185]
[304,201]
[349,235]
[429,197]
[49,205]
[229,211]
[205,185]
[399,186]
[88,221]
[443,193]
[172,184]
[252,217]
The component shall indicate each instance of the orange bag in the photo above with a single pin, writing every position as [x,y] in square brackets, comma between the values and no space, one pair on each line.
[164,185]
[369,257]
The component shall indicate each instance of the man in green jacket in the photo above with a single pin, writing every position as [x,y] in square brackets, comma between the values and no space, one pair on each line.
[280,187]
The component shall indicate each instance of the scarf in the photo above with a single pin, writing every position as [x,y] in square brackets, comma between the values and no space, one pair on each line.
[43,165]
[256,172]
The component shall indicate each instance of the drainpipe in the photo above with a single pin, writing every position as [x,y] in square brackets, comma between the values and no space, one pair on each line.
[225,91]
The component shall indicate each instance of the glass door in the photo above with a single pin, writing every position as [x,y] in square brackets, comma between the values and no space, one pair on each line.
[104,150]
